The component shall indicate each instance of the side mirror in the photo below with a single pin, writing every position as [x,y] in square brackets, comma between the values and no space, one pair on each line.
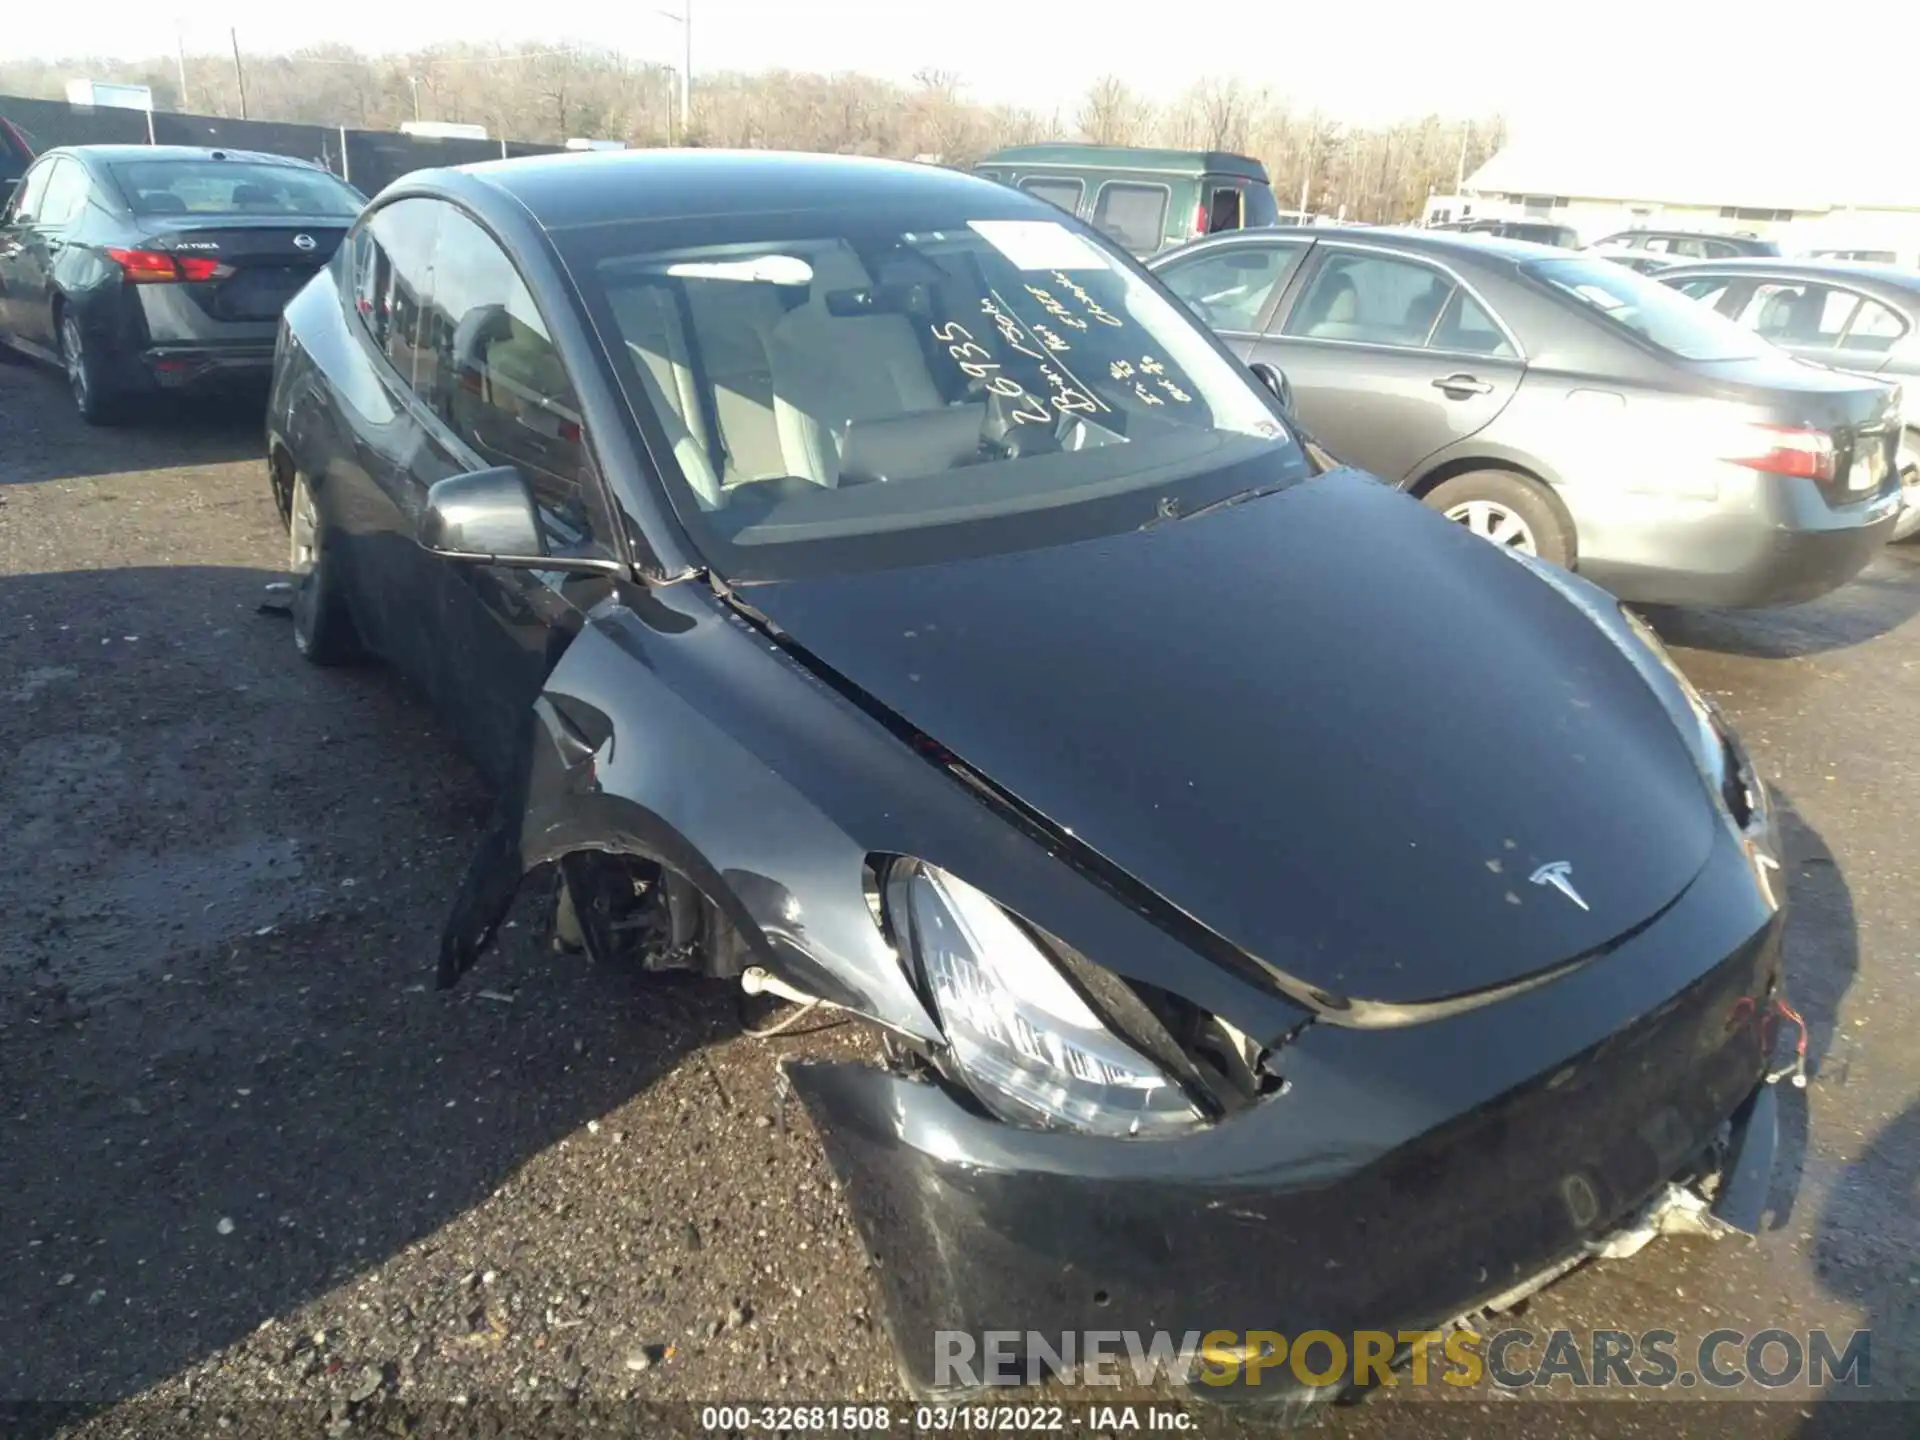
[484,515]
[1275,381]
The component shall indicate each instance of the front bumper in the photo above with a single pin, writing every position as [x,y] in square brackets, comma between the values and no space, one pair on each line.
[1405,1177]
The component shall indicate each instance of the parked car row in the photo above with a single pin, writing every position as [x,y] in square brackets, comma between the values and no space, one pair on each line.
[866,583]
[1565,406]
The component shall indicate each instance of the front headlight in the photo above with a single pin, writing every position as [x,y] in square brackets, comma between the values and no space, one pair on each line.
[1021,1035]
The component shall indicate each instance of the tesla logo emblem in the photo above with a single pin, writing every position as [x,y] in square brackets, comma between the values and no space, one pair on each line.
[303,242]
[1555,874]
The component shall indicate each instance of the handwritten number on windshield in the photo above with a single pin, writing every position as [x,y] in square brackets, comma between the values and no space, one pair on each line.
[961,346]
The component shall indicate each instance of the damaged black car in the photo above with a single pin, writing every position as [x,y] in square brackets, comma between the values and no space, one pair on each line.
[866,585]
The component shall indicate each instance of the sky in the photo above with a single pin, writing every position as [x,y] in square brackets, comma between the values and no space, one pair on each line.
[1578,68]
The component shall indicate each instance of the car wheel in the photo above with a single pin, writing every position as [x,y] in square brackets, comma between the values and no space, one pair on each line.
[92,397]
[322,628]
[1509,510]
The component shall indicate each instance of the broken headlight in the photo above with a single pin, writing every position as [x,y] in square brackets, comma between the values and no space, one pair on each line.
[1024,1039]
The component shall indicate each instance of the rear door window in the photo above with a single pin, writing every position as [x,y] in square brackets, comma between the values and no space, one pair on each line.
[66,194]
[1388,300]
[1062,190]
[1230,288]
[1799,313]
[1875,328]
[26,200]
[393,256]
[1132,214]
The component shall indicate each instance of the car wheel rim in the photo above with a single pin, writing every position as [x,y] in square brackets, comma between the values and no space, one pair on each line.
[1493,521]
[76,362]
[303,560]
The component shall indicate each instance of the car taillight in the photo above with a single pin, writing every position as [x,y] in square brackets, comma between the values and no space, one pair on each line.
[157,267]
[1200,218]
[1788,450]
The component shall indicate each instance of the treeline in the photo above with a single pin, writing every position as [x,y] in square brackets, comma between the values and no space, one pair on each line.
[1370,173]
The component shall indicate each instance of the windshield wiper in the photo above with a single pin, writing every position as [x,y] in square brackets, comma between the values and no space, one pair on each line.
[1169,508]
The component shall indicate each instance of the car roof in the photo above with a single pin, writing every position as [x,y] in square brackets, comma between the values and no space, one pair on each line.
[1129,157]
[1857,270]
[612,186]
[112,154]
[1452,244]
[1728,235]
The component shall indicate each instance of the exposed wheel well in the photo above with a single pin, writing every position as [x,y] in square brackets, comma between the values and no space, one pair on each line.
[280,470]
[1440,474]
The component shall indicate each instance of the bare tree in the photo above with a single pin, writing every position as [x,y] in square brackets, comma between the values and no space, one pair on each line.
[1112,113]
[550,91]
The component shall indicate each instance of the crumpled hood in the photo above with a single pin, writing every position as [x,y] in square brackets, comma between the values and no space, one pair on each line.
[1330,725]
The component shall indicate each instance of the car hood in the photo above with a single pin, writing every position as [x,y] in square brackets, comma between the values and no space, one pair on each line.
[1331,726]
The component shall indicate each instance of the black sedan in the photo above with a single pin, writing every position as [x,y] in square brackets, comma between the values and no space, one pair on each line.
[145,269]
[1564,406]
[864,583]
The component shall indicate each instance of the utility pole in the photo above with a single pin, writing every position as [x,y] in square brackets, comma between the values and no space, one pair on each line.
[413,84]
[1306,180]
[1460,171]
[684,19]
[239,75]
[180,55]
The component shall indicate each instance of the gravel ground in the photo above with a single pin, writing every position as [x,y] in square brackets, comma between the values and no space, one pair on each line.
[256,1175]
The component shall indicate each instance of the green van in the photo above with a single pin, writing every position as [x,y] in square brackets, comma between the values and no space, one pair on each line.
[1145,200]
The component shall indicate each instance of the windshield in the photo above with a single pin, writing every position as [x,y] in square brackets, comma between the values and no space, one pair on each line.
[1657,314]
[232,187]
[872,382]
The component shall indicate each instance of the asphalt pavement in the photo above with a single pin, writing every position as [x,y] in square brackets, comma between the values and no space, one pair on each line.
[256,1174]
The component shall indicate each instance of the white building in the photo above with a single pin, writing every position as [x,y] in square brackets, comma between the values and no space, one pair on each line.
[1779,181]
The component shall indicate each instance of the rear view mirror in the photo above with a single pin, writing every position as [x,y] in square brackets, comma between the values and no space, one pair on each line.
[484,515]
[1273,379]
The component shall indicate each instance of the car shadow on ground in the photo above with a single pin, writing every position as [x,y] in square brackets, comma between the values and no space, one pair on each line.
[37,424]
[1822,961]
[1884,596]
[226,1084]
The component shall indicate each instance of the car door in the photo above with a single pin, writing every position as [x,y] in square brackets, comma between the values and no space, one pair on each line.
[1234,287]
[24,277]
[503,397]
[1390,356]
[390,449]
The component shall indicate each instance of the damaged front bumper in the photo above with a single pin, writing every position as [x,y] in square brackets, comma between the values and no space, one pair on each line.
[1308,1212]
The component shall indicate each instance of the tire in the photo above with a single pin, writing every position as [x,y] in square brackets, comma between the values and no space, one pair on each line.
[323,630]
[1507,509]
[93,394]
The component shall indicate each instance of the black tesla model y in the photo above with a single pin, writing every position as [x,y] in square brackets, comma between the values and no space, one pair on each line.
[865,584]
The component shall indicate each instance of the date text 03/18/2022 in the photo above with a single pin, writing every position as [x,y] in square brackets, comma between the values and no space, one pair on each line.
[865,1419]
